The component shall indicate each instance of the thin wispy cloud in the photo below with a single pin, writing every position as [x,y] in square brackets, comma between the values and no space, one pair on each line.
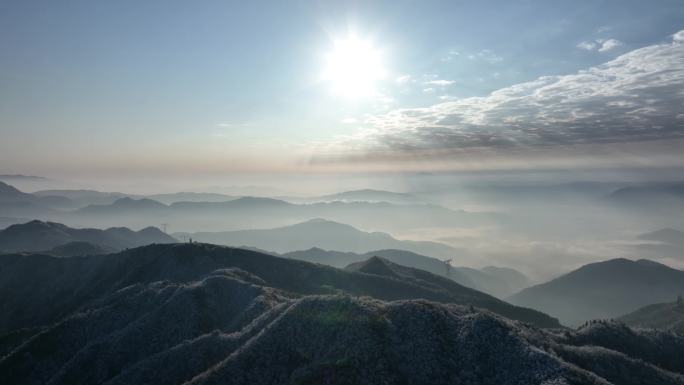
[440,82]
[486,55]
[403,79]
[600,45]
[587,45]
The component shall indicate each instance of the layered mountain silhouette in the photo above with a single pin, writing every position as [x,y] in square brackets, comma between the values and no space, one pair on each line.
[323,234]
[665,242]
[79,248]
[649,196]
[60,239]
[187,262]
[20,177]
[497,281]
[269,212]
[82,198]
[191,197]
[207,212]
[370,195]
[93,197]
[667,235]
[8,221]
[664,316]
[124,205]
[603,290]
[381,266]
[202,314]
[17,203]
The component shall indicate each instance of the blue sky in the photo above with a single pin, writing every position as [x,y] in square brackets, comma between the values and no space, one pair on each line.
[230,86]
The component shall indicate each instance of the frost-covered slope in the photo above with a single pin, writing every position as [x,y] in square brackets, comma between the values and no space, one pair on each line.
[201,314]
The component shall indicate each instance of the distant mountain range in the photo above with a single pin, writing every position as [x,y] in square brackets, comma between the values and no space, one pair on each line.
[200,314]
[667,235]
[124,206]
[649,196]
[19,177]
[384,266]
[17,203]
[322,234]
[268,212]
[8,221]
[661,243]
[78,249]
[663,316]
[497,281]
[41,236]
[603,290]
[365,195]
[207,211]
[82,198]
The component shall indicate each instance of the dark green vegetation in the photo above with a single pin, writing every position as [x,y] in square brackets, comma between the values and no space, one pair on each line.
[204,314]
[603,290]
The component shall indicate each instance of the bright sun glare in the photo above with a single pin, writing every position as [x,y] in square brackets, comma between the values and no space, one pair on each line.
[354,67]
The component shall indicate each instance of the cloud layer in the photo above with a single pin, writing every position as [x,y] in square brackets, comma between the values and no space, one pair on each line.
[636,97]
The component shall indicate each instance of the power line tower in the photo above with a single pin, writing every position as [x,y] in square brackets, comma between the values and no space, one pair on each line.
[163,226]
[448,265]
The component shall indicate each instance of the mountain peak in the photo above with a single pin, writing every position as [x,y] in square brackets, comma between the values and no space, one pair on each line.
[8,189]
[648,262]
[601,290]
[142,202]
[325,222]
[374,265]
[665,235]
[257,200]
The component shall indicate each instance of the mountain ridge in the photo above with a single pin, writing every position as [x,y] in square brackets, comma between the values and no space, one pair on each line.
[37,235]
[602,290]
[319,233]
[175,314]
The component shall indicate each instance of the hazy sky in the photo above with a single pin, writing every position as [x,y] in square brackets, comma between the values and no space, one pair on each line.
[173,87]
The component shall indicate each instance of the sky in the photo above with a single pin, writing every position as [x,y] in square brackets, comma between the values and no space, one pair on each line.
[219,87]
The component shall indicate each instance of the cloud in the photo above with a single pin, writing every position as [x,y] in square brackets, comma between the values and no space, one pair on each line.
[587,45]
[487,55]
[678,37]
[450,55]
[233,125]
[600,45]
[638,96]
[609,44]
[604,28]
[403,79]
[349,120]
[439,82]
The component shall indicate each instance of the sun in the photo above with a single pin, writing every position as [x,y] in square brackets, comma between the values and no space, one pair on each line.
[354,67]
